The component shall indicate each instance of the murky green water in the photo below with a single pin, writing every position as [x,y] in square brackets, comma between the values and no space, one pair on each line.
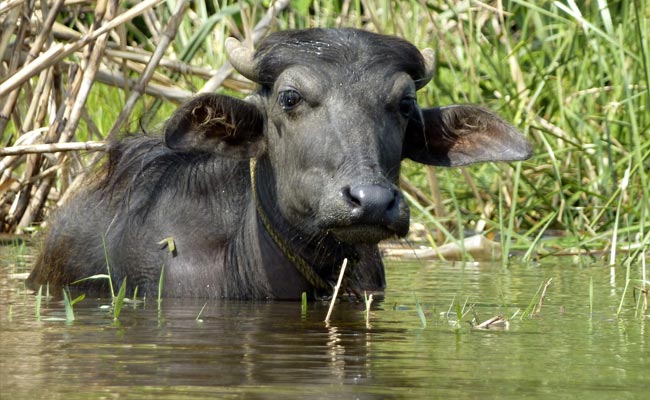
[272,350]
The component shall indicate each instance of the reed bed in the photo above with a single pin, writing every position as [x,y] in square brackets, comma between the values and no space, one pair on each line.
[574,77]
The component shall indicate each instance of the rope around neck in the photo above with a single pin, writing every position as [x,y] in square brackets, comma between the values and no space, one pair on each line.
[298,262]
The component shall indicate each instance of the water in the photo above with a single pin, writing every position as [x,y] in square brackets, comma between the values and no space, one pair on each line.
[272,350]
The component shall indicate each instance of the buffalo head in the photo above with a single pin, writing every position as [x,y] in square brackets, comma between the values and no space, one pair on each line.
[335,114]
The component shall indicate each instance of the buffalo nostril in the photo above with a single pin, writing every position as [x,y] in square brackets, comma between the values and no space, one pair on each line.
[372,203]
[347,195]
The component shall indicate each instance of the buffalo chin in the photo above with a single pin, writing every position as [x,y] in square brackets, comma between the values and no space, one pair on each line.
[369,234]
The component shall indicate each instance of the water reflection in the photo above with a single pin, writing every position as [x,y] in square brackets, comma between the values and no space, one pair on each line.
[272,349]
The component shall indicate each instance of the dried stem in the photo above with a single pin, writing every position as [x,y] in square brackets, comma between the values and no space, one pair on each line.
[52,148]
[140,85]
[336,290]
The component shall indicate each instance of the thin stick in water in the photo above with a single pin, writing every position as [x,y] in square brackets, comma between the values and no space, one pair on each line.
[368,304]
[336,290]
[541,298]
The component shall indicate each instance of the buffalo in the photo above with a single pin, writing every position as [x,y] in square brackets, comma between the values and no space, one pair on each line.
[264,197]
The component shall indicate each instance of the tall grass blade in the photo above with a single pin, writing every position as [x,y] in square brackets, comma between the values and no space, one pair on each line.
[625,288]
[511,216]
[623,187]
[108,266]
[533,302]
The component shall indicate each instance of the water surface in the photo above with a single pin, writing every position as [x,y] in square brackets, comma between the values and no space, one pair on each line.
[270,349]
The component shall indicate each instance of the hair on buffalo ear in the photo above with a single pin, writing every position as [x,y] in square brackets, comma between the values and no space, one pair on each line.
[462,134]
[216,124]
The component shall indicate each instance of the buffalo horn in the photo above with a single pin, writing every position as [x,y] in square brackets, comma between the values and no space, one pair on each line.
[241,58]
[429,67]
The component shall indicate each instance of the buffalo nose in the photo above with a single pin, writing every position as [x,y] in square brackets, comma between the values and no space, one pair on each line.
[372,204]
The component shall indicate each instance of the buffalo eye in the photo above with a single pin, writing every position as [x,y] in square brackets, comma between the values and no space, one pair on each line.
[289,99]
[406,106]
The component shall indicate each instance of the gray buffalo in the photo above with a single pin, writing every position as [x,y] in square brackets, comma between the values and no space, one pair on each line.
[264,197]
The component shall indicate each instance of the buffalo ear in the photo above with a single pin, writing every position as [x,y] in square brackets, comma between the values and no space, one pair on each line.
[460,135]
[217,124]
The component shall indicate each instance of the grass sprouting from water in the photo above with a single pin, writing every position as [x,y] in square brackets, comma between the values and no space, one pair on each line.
[420,311]
[528,312]
[108,266]
[303,305]
[69,310]
[161,282]
[39,298]
[118,301]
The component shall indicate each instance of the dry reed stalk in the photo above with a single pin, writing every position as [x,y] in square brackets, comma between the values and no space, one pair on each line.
[135,60]
[38,201]
[117,79]
[139,88]
[260,30]
[54,90]
[43,79]
[480,224]
[10,5]
[142,57]
[53,148]
[12,97]
[90,70]
[8,27]
[21,210]
[59,51]
[72,114]
[7,163]
[413,190]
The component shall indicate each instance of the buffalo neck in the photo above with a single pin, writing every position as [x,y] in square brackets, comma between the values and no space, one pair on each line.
[316,256]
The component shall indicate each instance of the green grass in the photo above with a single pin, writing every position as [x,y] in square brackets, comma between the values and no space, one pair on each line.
[161,281]
[575,81]
[118,301]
